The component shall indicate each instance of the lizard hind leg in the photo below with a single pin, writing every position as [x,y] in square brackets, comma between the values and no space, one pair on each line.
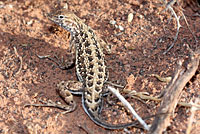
[67,64]
[66,88]
[64,64]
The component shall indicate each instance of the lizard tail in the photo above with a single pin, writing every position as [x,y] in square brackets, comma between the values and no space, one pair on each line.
[106,125]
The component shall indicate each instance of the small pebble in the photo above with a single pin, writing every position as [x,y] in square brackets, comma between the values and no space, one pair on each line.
[66,6]
[30,22]
[112,22]
[140,16]
[121,28]
[116,26]
[130,17]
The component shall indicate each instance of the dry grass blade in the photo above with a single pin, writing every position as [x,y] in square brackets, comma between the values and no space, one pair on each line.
[21,61]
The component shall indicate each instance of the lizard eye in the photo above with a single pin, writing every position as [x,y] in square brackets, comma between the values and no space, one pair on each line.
[60,16]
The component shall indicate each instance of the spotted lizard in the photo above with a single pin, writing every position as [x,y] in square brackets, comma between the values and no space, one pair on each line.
[89,63]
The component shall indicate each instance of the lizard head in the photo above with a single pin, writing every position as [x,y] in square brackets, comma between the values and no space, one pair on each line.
[66,19]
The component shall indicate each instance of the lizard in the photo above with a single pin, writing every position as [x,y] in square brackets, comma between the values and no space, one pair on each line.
[89,63]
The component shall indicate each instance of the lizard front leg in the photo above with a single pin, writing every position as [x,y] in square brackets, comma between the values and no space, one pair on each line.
[65,89]
[62,64]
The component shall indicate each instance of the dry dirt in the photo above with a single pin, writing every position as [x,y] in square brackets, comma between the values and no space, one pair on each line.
[136,54]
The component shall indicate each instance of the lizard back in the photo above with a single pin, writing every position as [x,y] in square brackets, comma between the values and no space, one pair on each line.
[90,64]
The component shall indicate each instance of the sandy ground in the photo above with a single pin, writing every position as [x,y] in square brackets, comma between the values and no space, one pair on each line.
[137,52]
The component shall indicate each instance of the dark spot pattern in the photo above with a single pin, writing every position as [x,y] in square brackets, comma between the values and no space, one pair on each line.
[91,66]
[97,89]
[80,52]
[83,40]
[88,51]
[90,30]
[95,109]
[81,33]
[90,83]
[98,55]
[88,93]
[100,64]
[99,82]
[90,101]
[86,36]
[77,41]
[90,77]
[76,34]
[91,73]
[100,76]
[100,69]
[81,59]
[90,59]
[95,42]
[87,44]
[97,99]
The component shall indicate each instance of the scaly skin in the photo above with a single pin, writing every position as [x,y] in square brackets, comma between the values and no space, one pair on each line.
[90,64]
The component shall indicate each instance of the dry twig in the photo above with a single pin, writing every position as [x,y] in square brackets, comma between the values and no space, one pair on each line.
[20,58]
[127,104]
[169,6]
[182,75]
[145,96]
[178,23]
[67,108]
